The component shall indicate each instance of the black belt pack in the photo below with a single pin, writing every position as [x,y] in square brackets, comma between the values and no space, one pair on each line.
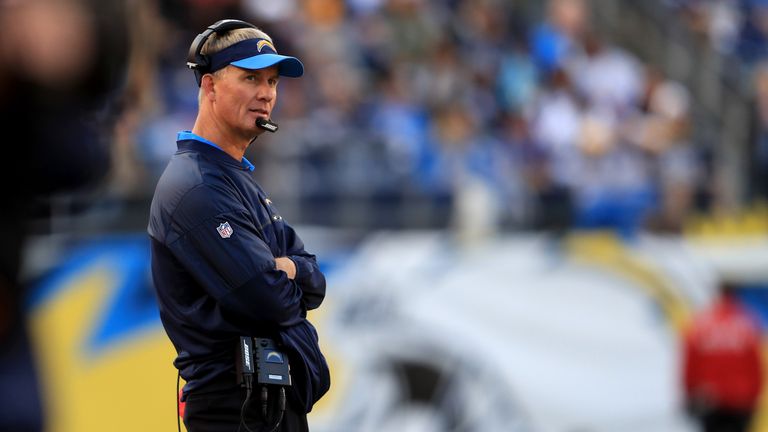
[262,357]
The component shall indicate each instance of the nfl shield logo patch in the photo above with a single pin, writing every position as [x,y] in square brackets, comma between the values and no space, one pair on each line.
[225,231]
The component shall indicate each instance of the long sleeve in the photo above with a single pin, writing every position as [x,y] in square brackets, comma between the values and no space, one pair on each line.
[224,253]
[308,275]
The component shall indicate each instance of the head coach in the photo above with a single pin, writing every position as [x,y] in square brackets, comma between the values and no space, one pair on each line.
[226,266]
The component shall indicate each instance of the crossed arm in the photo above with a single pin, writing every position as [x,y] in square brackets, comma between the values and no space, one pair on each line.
[287,265]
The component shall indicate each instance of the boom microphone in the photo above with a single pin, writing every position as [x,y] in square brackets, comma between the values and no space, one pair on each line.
[267,125]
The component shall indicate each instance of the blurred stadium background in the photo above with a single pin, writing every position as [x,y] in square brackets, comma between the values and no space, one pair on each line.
[518,205]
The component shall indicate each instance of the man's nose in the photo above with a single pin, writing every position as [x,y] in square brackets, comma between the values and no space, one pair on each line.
[267,93]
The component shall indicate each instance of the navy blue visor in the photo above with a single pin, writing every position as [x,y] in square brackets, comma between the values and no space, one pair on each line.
[256,54]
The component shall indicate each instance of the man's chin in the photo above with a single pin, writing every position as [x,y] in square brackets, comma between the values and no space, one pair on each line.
[255,132]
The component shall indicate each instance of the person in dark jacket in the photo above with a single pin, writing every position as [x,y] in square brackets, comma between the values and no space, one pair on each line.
[225,264]
[62,75]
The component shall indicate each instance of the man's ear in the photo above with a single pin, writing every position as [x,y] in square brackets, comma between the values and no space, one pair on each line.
[207,84]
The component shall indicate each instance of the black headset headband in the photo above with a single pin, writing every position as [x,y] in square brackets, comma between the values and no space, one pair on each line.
[201,63]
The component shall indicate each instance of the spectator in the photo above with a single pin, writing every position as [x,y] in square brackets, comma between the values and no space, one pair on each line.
[606,76]
[556,38]
[660,132]
[759,156]
[60,61]
[752,45]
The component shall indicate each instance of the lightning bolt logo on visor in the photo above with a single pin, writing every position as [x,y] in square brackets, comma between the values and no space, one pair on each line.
[262,43]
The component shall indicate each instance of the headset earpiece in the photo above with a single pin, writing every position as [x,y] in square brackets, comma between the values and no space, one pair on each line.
[199,63]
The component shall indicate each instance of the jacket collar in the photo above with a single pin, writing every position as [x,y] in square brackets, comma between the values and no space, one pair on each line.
[186,140]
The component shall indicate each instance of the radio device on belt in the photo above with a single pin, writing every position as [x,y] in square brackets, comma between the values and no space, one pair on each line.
[261,357]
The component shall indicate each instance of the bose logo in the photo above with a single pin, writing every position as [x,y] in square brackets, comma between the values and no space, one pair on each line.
[269,126]
[247,355]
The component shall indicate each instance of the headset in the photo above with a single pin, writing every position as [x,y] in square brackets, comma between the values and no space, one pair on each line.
[200,63]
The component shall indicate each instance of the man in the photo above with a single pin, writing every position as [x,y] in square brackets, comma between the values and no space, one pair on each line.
[224,262]
[723,371]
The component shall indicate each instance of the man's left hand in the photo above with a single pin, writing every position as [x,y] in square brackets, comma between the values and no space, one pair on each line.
[287,265]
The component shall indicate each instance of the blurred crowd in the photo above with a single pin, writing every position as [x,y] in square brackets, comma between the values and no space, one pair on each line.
[738,30]
[484,115]
[498,114]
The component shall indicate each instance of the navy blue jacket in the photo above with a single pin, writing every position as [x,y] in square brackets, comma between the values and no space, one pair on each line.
[214,238]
